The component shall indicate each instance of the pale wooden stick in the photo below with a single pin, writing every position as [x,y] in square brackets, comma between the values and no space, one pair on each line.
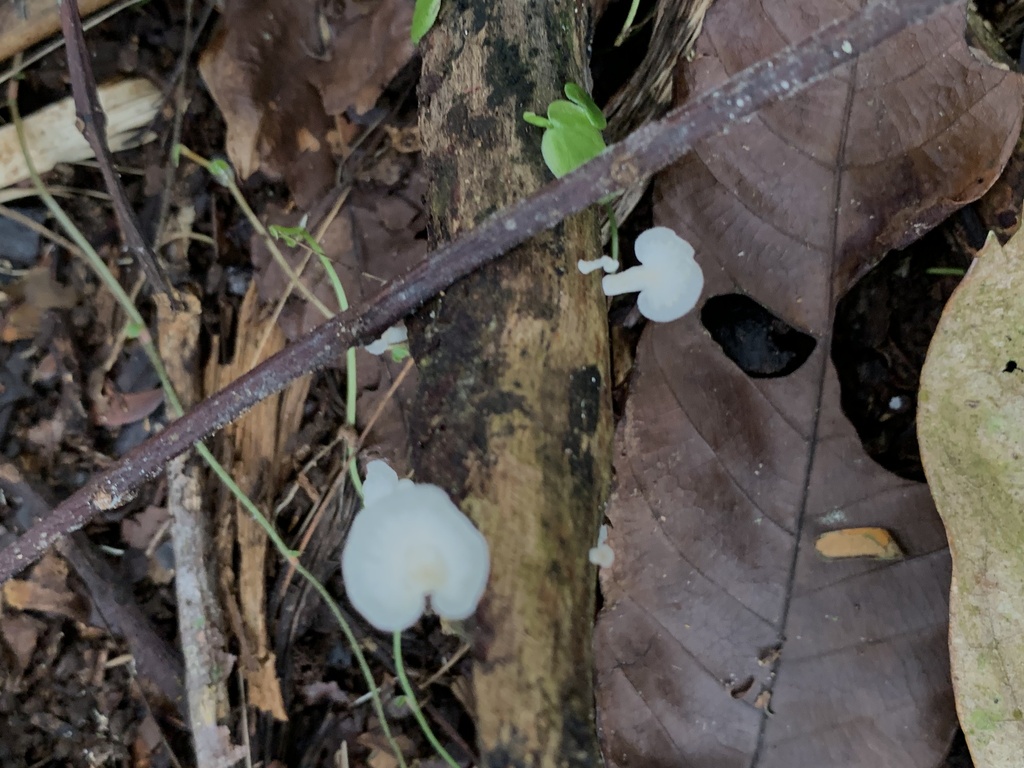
[24,24]
[53,136]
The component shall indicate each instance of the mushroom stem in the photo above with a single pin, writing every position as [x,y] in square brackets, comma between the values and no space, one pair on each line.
[606,263]
[632,280]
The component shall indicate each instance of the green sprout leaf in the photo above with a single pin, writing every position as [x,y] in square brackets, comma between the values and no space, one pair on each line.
[293,236]
[572,131]
[222,172]
[572,137]
[133,329]
[534,119]
[627,26]
[581,98]
[567,148]
[424,15]
[399,352]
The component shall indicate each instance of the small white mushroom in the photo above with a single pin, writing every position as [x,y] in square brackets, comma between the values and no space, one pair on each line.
[407,544]
[607,263]
[668,278]
[603,556]
[396,334]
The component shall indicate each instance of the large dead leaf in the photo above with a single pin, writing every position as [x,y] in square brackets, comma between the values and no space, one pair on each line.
[726,639]
[283,72]
[970,421]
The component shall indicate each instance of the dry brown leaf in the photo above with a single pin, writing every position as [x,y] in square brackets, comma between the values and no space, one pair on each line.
[51,572]
[281,70]
[46,591]
[47,434]
[35,293]
[726,480]
[371,240]
[381,754]
[265,688]
[21,633]
[971,421]
[116,409]
[29,596]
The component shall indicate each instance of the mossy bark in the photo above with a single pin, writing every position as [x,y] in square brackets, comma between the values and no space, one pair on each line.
[514,414]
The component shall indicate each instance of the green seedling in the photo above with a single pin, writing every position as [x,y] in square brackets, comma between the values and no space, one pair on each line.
[628,25]
[946,271]
[300,236]
[295,236]
[424,14]
[133,330]
[572,131]
[572,137]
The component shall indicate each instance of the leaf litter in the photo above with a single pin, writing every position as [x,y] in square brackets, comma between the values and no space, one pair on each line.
[289,149]
[292,78]
[725,481]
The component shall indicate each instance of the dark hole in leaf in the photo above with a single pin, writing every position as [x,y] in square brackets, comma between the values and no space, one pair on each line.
[738,689]
[761,344]
[881,334]
[1011,366]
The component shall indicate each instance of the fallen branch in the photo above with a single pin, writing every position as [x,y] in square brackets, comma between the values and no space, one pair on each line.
[93,123]
[24,24]
[643,153]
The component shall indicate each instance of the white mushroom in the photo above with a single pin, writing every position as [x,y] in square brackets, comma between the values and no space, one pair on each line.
[408,543]
[668,278]
[603,556]
[607,263]
[396,334]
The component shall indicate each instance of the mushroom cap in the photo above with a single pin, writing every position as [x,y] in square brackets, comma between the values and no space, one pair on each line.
[396,334]
[407,544]
[675,280]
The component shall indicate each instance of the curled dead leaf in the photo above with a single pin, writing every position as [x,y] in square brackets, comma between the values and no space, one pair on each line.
[970,426]
[858,542]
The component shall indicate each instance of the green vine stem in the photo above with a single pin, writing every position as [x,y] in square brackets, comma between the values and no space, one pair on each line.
[410,700]
[174,407]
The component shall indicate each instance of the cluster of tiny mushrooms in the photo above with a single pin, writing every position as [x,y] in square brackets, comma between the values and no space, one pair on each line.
[410,543]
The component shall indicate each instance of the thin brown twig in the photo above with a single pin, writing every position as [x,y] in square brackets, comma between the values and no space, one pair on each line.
[643,153]
[93,125]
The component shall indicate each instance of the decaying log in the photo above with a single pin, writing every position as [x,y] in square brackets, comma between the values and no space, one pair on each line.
[514,414]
